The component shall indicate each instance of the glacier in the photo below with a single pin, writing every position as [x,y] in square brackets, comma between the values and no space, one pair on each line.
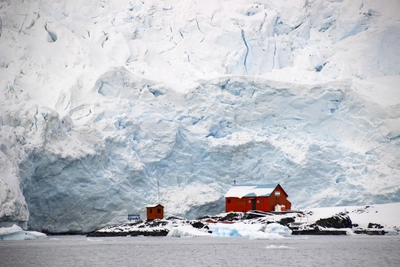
[109,106]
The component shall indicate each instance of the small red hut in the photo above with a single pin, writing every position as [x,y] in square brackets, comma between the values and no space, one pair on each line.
[155,212]
[265,197]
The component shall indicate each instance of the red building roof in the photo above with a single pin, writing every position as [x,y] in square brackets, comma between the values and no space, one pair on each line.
[240,191]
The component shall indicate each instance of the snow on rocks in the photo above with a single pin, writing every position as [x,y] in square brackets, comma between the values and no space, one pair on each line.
[268,225]
[179,227]
[172,226]
[370,219]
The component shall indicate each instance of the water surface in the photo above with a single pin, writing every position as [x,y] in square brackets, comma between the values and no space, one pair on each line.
[76,251]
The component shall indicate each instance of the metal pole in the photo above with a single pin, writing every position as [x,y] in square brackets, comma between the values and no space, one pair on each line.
[158,192]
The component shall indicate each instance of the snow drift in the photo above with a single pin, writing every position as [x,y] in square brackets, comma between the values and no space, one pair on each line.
[101,102]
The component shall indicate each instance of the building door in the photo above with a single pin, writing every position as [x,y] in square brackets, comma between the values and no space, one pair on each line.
[253,204]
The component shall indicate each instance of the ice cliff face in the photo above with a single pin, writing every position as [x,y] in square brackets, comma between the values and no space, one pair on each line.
[102,101]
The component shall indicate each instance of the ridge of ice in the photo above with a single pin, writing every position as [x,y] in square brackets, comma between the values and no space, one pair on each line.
[102,102]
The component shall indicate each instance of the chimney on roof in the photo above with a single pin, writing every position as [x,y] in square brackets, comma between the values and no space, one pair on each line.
[234,182]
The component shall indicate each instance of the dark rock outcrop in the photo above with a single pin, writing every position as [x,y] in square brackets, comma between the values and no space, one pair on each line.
[254,214]
[286,221]
[370,232]
[338,221]
[232,216]
[198,225]
[158,232]
[375,225]
[316,230]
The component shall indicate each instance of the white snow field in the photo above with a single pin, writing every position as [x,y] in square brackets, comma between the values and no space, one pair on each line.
[102,101]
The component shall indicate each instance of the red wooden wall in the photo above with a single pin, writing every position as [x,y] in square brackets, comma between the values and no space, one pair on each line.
[156,212]
[278,196]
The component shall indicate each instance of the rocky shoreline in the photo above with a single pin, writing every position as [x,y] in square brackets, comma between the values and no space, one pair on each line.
[339,224]
[163,232]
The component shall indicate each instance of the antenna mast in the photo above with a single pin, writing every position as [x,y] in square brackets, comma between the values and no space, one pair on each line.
[158,192]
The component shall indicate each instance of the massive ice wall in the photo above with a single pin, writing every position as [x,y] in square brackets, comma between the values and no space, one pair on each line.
[106,107]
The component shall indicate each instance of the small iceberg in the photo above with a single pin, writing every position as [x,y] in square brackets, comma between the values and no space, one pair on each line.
[252,231]
[278,229]
[186,231]
[17,233]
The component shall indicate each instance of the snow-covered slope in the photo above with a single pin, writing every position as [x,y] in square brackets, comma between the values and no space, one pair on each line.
[102,101]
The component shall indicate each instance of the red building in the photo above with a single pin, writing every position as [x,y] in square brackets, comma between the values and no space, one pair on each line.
[155,212]
[265,197]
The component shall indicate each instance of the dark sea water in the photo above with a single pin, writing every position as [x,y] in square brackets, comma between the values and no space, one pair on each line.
[76,251]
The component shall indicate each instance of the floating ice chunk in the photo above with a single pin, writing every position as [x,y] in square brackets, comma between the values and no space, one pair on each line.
[252,231]
[9,230]
[278,247]
[186,231]
[224,230]
[278,229]
[17,233]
